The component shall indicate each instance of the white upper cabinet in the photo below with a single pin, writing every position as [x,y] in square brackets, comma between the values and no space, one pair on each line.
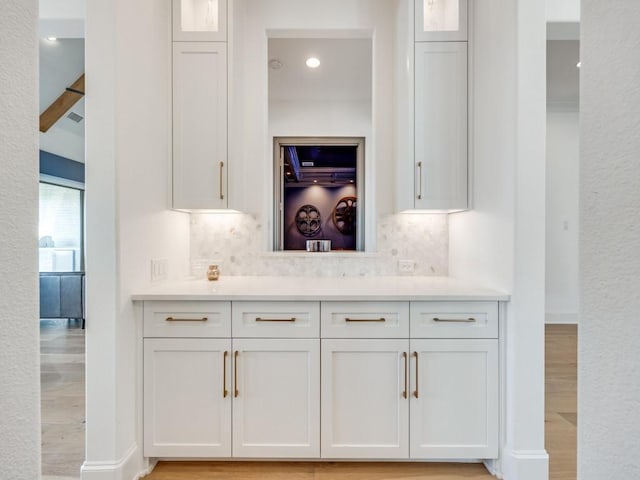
[441,126]
[199,20]
[440,20]
[199,125]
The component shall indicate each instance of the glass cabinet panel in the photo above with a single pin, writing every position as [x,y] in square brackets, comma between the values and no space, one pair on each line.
[440,20]
[203,20]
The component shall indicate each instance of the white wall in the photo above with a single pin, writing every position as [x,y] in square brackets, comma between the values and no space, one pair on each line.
[19,343]
[501,242]
[128,221]
[62,18]
[561,275]
[608,373]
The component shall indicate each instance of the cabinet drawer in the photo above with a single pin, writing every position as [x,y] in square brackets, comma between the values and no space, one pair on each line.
[454,319]
[276,319]
[187,319]
[365,319]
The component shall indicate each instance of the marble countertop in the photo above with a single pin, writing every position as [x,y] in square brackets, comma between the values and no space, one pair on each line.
[403,288]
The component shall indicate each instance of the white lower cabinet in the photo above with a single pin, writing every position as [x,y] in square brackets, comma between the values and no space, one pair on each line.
[186,411]
[454,399]
[365,411]
[276,404]
[335,398]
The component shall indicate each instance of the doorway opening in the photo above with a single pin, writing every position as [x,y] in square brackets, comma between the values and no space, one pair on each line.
[319,194]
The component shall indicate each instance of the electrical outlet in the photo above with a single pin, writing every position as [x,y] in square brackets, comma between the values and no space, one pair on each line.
[406,267]
[159,269]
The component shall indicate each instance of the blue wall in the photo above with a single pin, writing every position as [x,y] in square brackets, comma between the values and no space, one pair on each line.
[61,167]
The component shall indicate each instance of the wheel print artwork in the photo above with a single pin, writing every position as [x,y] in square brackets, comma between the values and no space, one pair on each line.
[344,215]
[308,220]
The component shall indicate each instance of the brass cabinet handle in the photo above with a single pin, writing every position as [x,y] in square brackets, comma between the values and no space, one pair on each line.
[224,374]
[171,319]
[415,392]
[406,374]
[455,320]
[420,180]
[292,319]
[235,374]
[381,319]
[221,193]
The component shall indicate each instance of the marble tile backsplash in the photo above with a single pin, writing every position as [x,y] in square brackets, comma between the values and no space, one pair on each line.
[235,242]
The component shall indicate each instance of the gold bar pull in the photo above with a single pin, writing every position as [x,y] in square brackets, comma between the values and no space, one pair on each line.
[420,180]
[221,193]
[235,374]
[224,374]
[455,320]
[406,375]
[292,319]
[381,319]
[171,319]
[415,392]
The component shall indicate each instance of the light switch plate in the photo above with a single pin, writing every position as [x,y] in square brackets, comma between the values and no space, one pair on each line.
[159,269]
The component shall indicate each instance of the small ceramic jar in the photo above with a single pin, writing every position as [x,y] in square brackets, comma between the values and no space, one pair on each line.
[213,273]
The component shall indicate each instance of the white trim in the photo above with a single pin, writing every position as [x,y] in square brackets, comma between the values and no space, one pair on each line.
[525,465]
[62,182]
[561,318]
[130,467]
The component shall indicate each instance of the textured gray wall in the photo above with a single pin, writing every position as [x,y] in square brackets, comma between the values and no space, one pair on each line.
[609,335]
[19,349]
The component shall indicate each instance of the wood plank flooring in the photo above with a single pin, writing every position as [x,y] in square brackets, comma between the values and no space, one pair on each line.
[62,350]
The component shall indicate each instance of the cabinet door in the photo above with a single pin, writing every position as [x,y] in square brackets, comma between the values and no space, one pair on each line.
[187,403]
[276,404]
[365,410]
[199,125]
[454,399]
[441,126]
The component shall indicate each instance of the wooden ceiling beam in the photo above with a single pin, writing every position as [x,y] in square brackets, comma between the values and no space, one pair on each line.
[62,104]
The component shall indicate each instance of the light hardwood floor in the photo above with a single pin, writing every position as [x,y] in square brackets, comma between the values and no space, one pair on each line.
[62,351]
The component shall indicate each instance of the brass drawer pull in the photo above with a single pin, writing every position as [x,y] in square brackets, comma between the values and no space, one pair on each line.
[224,374]
[415,392]
[455,320]
[171,319]
[381,319]
[406,375]
[235,374]
[292,319]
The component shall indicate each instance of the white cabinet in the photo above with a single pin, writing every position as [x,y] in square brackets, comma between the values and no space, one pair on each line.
[199,125]
[365,411]
[454,399]
[276,404]
[440,20]
[441,126]
[187,405]
[199,20]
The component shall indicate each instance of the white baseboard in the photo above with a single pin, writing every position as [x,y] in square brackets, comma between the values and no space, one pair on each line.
[525,465]
[130,467]
[561,318]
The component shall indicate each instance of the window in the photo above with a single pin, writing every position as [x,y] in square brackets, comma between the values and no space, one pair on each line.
[61,228]
[319,192]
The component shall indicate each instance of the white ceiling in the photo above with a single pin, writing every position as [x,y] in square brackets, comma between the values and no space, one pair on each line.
[344,72]
[61,63]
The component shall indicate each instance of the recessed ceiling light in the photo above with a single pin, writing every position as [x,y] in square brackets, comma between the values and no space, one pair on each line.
[579,64]
[52,39]
[313,62]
